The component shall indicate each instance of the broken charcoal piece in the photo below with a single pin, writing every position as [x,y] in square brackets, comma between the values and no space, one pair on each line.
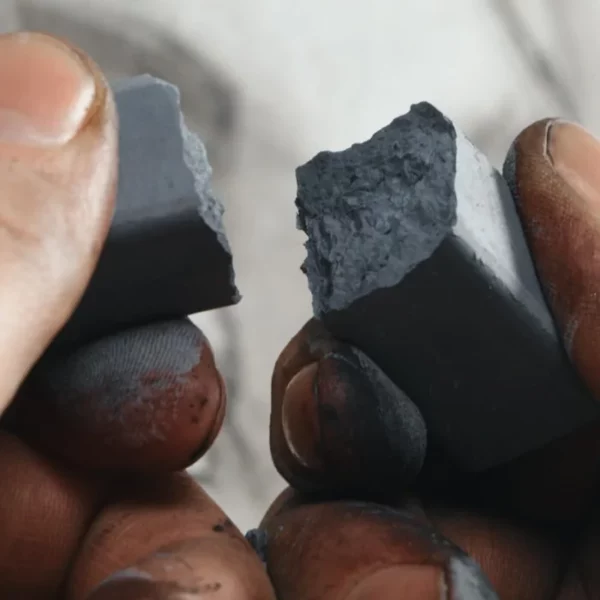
[416,255]
[166,254]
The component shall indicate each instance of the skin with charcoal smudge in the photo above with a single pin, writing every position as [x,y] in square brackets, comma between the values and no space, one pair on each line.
[324,431]
[394,545]
[152,394]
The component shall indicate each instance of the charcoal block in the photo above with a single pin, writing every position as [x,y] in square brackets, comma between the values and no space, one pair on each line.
[416,256]
[166,254]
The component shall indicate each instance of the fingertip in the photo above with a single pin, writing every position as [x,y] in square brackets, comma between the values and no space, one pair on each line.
[52,93]
[312,551]
[552,171]
[147,399]
[339,423]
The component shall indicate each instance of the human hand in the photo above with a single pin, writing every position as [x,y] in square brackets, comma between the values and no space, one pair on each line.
[92,447]
[92,494]
[341,433]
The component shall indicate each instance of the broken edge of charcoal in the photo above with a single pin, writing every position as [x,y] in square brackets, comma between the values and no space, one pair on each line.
[375,211]
[188,172]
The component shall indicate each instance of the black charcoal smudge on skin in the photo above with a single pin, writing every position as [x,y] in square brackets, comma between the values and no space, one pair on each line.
[376,210]
[394,430]
[118,364]
[258,539]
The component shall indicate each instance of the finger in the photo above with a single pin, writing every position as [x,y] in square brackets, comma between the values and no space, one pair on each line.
[44,511]
[360,551]
[522,558]
[166,539]
[58,147]
[150,398]
[552,170]
[337,422]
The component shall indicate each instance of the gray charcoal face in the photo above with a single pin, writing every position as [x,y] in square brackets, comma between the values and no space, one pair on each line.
[160,158]
[488,222]
[375,211]
[166,255]
[425,268]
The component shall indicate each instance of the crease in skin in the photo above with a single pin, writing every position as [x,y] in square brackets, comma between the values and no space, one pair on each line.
[18,129]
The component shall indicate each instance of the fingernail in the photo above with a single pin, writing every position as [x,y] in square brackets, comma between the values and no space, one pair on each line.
[300,419]
[46,90]
[575,155]
[409,582]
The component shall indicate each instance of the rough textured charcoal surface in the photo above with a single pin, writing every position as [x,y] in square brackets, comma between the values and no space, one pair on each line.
[166,254]
[350,202]
[416,256]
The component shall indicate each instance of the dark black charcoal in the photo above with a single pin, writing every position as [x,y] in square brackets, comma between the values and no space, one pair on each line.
[166,254]
[416,256]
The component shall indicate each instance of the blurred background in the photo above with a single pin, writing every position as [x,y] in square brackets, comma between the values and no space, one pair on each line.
[268,83]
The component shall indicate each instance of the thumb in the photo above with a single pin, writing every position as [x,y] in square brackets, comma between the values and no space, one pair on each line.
[58,147]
